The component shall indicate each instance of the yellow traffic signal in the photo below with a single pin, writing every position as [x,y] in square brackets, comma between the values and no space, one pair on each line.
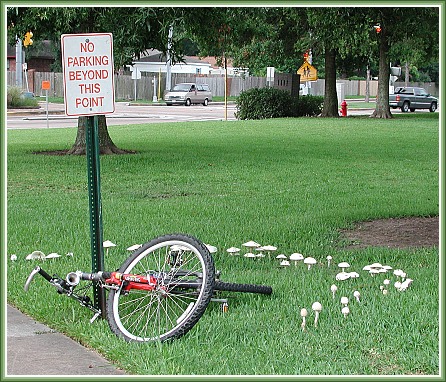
[28,41]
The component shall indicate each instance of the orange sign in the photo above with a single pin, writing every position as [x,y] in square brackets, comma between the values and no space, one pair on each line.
[46,85]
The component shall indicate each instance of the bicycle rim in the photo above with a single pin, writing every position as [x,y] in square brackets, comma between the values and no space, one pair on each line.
[171,309]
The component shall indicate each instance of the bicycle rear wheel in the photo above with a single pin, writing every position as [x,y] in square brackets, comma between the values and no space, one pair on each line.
[244,288]
[185,272]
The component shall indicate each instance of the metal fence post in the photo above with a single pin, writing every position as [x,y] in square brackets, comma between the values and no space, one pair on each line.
[94,197]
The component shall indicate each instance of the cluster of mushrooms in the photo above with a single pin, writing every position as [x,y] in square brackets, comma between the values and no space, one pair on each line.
[39,255]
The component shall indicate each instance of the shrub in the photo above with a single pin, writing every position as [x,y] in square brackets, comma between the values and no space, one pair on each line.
[261,103]
[308,106]
[15,99]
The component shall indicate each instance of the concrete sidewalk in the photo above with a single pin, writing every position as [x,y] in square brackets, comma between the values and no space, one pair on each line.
[34,349]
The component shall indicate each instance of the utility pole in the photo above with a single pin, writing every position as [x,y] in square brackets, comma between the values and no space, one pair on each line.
[18,63]
[168,63]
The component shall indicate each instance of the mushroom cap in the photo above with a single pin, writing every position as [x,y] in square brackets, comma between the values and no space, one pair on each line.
[70,254]
[344,265]
[251,244]
[108,244]
[296,256]
[284,263]
[317,306]
[134,247]
[269,248]
[367,268]
[333,288]
[233,250]
[13,257]
[376,265]
[341,276]
[211,248]
[35,255]
[345,310]
[353,275]
[249,254]
[52,255]
[356,293]
[303,312]
[281,256]
[386,282]
[344,300]
[310,260]
[374,271]
[397,284]
[329,257]
[388,267]
[398,272]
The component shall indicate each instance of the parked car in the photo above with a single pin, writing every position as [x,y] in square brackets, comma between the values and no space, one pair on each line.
[188,93]
[412,98]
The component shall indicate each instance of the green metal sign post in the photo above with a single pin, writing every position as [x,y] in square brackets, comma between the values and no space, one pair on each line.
[94,197]
[89,92]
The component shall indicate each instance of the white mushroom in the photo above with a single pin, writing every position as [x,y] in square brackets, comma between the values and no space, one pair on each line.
[385,291]
[134,247]
[374,271]
[353,275]
[260,250]
[405,284]
[39,255]
[329,258]
[108,244]
[70,254]
[250,255]
[317,307]
[367,268]
[344,300]
[284,263]
[376,265]
[397,284]
[52,256]
[233,251]
[250,245]
[269,249]
[211,248]
[309,261]
[386,282]
[357,295]
[303,314]
[345,311]
[398,272]
[343,265]
[13,257]
[281,257]
[341,276]
[296,257]
[333,289]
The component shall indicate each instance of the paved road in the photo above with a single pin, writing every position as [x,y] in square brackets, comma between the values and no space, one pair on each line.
[125,114]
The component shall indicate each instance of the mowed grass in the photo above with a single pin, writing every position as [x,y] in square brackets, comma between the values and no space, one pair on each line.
[292,183]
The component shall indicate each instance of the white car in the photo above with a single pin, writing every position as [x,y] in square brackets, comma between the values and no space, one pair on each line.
[188,93]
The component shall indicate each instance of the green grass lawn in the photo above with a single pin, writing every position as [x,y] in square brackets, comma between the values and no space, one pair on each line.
[292,183]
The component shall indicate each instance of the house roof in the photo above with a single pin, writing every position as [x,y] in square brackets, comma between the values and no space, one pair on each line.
[153,55]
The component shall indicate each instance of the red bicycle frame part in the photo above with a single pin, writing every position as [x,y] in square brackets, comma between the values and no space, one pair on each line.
[130,281]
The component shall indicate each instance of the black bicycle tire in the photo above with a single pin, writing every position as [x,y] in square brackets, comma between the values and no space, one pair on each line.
[195,313]
[243,288]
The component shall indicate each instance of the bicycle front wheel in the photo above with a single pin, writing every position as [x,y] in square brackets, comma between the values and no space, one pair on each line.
[185,272]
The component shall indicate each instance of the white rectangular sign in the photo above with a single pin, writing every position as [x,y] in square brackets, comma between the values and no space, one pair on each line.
[87,61]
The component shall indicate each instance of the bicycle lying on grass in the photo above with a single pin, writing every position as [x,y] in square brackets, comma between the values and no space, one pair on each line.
[159,292]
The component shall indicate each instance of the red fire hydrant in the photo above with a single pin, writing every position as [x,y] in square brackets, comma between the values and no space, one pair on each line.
[344,109]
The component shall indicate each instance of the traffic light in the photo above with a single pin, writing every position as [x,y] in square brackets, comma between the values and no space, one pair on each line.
[28,41]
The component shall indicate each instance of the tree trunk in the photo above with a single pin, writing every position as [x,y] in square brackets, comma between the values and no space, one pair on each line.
[106,145]
[330,108]
[382,109]
[367,85]
[406,74]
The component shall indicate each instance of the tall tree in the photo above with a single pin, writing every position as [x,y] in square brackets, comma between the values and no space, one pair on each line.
[401,26]
[134,30]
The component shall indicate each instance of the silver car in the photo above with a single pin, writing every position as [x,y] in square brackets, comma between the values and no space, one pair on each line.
[188,93]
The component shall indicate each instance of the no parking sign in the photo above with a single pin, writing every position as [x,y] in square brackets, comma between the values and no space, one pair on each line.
[87,61]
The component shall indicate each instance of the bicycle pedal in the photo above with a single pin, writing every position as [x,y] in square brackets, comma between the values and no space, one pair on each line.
[96,315]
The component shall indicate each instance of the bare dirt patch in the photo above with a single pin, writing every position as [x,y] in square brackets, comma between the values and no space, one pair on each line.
[408,232]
